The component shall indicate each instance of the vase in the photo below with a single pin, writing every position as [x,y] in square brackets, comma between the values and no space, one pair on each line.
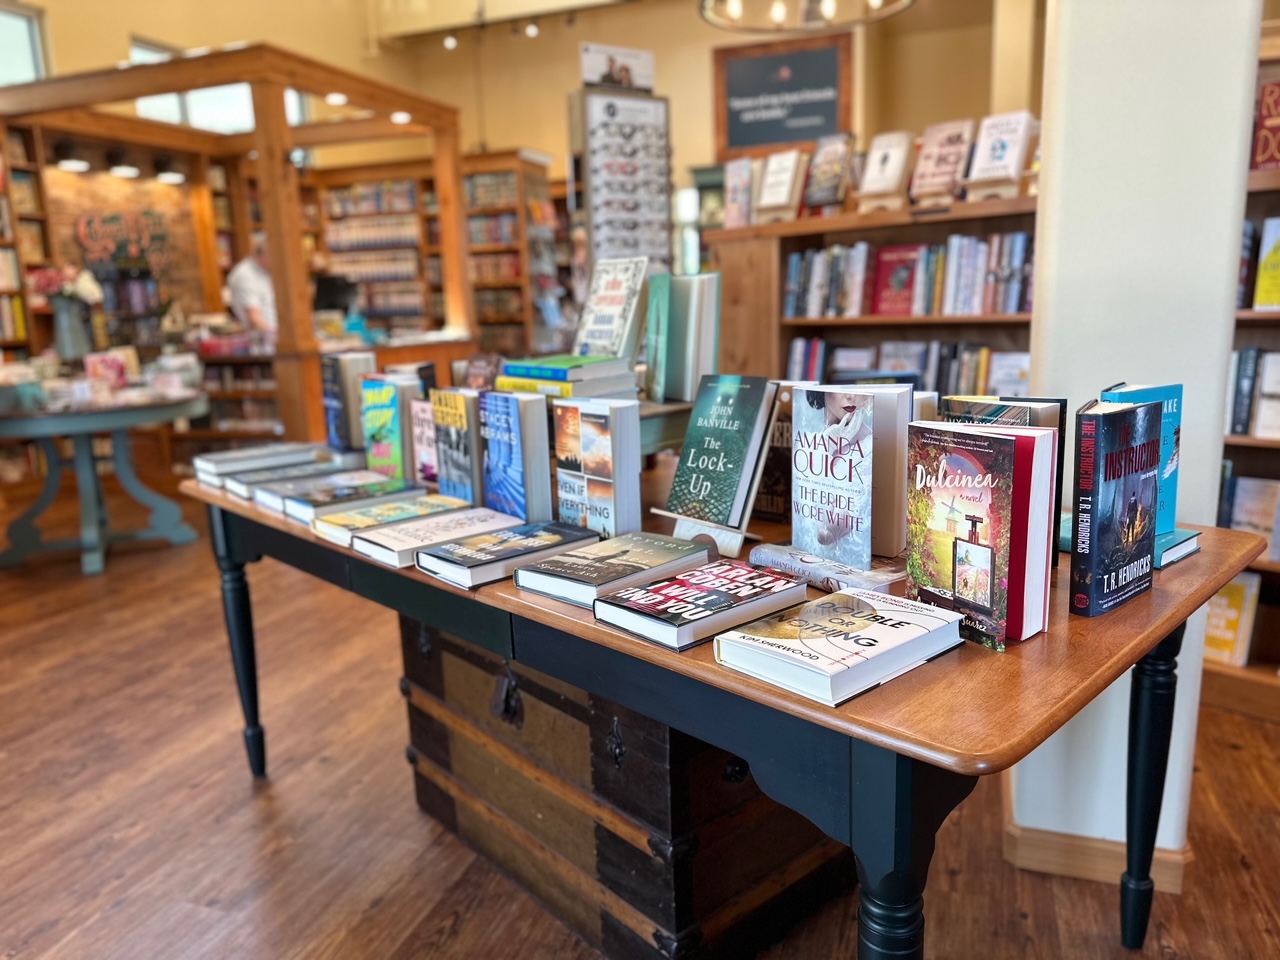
[69,338]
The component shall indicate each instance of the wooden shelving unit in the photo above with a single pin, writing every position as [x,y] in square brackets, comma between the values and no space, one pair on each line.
[1242,440]
[1253,689]
[755,337]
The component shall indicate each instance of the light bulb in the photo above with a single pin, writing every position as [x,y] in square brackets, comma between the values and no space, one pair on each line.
[734,9]
[336,99]
[400,117]
[530,29]
[778,12]
[451,42]
[828,9]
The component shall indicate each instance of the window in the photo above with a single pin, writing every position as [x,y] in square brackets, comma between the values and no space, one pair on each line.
[225,109]
[21,45]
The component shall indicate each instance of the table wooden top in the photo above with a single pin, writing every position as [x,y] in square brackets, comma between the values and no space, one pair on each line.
[971,710]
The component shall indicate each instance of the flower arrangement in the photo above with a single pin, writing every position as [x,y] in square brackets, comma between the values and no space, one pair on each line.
[67,281]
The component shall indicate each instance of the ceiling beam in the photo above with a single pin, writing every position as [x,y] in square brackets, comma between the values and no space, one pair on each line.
[118,128]
[329,132]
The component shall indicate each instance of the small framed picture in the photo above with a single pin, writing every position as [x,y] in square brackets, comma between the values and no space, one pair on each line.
[971,574]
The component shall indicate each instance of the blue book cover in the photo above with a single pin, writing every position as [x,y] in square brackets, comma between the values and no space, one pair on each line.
[1169,396]
[504,480]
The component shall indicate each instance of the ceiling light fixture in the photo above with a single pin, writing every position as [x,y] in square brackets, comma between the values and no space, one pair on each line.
[531,29]
[400,117]
[69,158]
[450,42]
[336,99]
[807,16]
[165,172]
[119,165]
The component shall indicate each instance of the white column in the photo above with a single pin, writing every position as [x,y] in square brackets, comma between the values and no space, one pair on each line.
[1147,111]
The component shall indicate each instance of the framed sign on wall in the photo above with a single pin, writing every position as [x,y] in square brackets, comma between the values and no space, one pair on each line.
[787,93]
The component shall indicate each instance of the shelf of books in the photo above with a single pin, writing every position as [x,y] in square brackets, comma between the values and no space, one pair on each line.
[1242,658]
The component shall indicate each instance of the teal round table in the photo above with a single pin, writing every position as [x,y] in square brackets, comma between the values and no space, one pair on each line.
[80,426]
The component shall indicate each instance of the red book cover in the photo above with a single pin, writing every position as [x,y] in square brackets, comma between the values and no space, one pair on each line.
[702,591]
[895,279]
[1266,129]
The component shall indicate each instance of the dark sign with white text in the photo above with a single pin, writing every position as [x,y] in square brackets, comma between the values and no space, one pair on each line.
[781,98]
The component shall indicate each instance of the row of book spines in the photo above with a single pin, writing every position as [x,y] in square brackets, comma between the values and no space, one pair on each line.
[953,368]
[1246,397]
[966,276]
[13,319]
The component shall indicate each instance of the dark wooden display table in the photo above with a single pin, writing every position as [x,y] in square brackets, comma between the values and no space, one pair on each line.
[878,773]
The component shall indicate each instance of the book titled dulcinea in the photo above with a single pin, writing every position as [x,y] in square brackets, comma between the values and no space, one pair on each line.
[841,645]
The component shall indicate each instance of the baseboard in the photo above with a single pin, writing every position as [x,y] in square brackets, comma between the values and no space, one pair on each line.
[1085,858]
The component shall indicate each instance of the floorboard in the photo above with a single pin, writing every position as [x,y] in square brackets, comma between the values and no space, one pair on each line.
[129,827]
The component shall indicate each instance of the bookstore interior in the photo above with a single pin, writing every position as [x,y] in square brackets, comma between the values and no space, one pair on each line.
[763,450]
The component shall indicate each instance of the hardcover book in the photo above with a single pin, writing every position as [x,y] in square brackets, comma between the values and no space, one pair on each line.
[841,645]
[737,193]
[1169,396]
[457,416]
[487,557]
[657,328]
[340,376]
[395,545]
[255,458]
[597,470]
[944,155]
[1266,128]
[1255,507]
[886,164]
[582,574]
[1266,291]
[242,484]
[1228,631]
[1001,151]
[895,280]
[609,326]
[339,528]
[1113,530]
[722,447]
[272,496]
[828,171]
[620,385]
[979,536]
[424,442]
[886,575]
[513,435]
[773,496]
[317,502]
[690,607]
[566,367]
[385,412]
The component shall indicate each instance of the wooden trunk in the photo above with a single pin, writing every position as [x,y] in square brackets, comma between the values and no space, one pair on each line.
[647,842]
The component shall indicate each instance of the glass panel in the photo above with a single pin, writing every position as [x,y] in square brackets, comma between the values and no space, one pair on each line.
[19,48]
[226,109]
[165,107]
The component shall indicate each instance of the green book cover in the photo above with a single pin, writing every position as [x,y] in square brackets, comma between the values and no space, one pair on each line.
[717,458]
[655,379]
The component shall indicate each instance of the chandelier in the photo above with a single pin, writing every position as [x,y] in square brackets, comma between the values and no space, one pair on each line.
[793,16]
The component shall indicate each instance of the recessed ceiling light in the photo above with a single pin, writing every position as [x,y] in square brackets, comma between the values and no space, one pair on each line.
[451,42]
[74,165]
[401,117]
[125,170]
[174,178]
[531,29]
[336,99]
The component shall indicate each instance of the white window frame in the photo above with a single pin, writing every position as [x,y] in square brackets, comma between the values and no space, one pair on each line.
[39,43]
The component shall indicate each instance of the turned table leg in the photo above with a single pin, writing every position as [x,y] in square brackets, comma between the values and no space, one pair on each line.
[1155,683]
[238,611]
[898,806]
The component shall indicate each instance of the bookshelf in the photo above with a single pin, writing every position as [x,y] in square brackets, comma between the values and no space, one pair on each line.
[754,336]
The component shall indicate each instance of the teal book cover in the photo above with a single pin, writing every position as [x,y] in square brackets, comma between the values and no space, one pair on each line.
[1169,396]
[504,479]
[655,378]
[383,430]
[716,448]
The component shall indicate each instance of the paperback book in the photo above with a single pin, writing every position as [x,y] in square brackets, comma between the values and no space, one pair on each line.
[566,368]
[340,527]
[487,557]
[1113,529]
[692,606]
[388,438]
[828,171]
[841,645]
[340,377]
[1001,151]
[1228,632]
[887,161]
[272,496]
[582,574]
[1255,507]
[737,193]
[241,484]
[255,458]
[944,155]
[309,504]
[722,448]
[598,464]
[457,417]
[513,436]
[395,545]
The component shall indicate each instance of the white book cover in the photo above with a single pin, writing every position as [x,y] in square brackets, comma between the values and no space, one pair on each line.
[1009,373]
[609,326]
[819,279]
[1254,510]
[1269,374]
[954,244]
[1001,152]
[412,534]
[852,358]
[1228,406]
[886,163]
[855,279]
[778,185]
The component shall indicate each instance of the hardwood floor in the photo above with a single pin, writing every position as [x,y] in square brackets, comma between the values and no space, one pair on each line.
[129,826]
